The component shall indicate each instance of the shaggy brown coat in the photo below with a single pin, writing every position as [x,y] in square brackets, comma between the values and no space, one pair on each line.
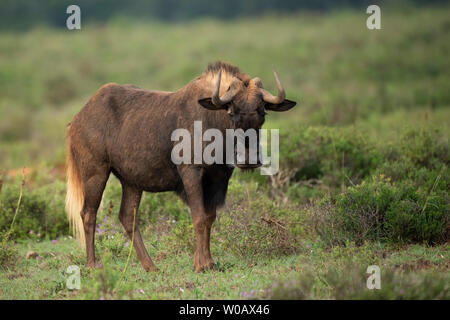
[126,131]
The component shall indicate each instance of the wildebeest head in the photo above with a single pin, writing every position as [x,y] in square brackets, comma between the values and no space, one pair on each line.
[247,103]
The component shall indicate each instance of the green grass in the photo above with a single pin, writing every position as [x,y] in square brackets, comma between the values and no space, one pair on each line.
[254,259]
[367,142]
[233,278]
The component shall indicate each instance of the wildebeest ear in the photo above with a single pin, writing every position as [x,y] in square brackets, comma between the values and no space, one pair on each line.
[284,106]
[208,104]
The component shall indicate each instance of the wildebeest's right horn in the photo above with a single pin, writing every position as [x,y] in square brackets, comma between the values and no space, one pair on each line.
[279,98]
[227,96]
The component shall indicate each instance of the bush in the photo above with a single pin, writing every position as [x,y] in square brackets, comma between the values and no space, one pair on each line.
[322,160]
[161,204]
[252,225]
[41,211]
[405,200]
[419,154]
[380,210]
[9,254]
[324,156]
[425,148]
[250,236]
[350,284]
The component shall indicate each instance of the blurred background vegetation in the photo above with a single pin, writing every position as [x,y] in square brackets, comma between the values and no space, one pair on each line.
[364,155]
[24,14]
[340,72]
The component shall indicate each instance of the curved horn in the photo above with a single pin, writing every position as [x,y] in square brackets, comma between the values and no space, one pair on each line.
[227,96]
[279,98]
[216,98]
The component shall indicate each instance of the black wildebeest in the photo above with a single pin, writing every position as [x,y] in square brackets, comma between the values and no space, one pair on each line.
[127,131]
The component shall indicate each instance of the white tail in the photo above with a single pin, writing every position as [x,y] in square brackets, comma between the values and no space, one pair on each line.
[74,196]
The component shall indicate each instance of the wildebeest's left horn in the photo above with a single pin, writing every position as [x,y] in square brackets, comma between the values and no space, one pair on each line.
[268,97]
[227,96]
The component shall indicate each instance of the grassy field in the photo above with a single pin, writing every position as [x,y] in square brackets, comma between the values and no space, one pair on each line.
[364,166]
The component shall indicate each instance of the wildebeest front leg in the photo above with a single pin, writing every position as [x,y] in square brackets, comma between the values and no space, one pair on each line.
[131,198]
[202,219]
[210,217]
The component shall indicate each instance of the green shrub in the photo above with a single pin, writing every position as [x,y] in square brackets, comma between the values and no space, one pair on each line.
[55,218]
[250,226]
[416,217]
[250,237]
[253,226]
[349,283]
[9,254]
[30,214]
[419,154]
[41,211]
[323,160]
[335,156]
[161,204]
[425,148]
[380,210]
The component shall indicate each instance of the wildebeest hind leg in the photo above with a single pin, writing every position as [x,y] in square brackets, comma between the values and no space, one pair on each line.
[131,198]
[93,190]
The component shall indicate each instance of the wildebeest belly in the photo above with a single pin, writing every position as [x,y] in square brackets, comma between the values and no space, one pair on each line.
[146,175]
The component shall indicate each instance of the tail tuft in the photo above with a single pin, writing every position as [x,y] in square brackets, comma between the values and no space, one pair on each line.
[74,196]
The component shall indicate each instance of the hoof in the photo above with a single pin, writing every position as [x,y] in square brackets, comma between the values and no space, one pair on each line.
[203,267]
[151,268]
